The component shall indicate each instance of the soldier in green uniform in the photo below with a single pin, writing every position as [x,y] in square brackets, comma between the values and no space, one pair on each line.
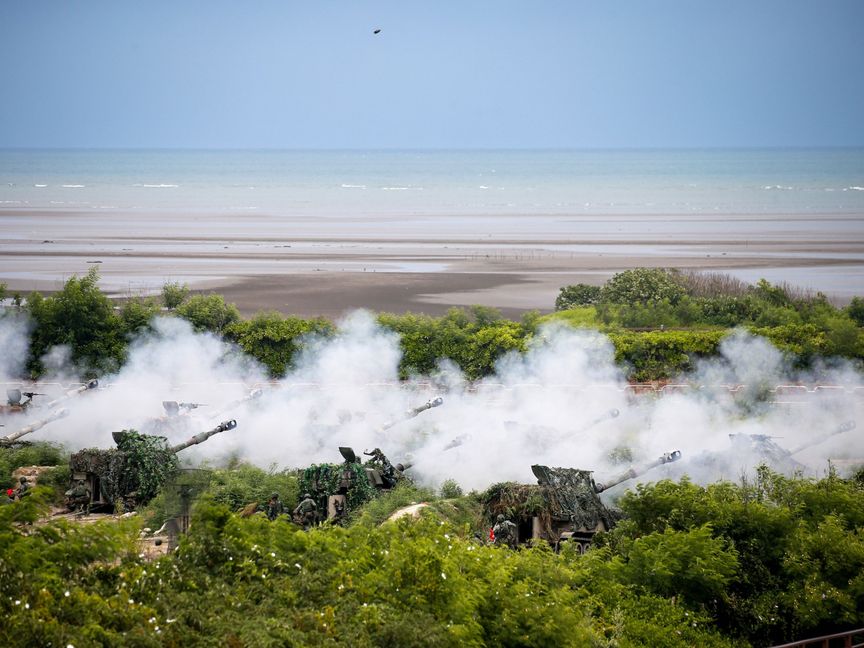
[505,532]
[78,498]
[306,513]
[274,507]
[23,489]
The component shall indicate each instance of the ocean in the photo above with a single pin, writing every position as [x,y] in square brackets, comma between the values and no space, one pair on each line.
[432,182]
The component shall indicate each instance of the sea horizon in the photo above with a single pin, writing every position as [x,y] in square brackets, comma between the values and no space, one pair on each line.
[437,181]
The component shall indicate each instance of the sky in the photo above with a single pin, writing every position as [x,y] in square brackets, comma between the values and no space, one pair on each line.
[440,74]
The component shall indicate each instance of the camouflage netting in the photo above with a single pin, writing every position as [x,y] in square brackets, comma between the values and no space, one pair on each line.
[322,480]
[571,499]
[139,465]
[517,502]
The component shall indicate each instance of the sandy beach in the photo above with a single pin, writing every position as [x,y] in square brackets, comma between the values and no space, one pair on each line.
[330,265]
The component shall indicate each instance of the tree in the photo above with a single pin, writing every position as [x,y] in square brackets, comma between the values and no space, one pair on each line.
[642,285]
[209,313]
[82,317]
[174,293]
[577,295]
[855,310]
[274,340]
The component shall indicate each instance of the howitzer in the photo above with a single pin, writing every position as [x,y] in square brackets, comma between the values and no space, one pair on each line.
[91,384]
[411,413]
[172,408]
[846,426]
[252,395]
[606,416]
[631,473]
[14,396]
[36,425]
[203,436]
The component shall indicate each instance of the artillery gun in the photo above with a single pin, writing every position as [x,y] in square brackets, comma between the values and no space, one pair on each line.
[10,439]
[413,412]
[15,403]
[255,394]
[341,488]
[135,471]
[72,393]
[564,505]
[773,454]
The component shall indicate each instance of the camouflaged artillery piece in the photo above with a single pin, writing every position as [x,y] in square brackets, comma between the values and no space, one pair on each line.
[564,505]
[338,489]
[135,471]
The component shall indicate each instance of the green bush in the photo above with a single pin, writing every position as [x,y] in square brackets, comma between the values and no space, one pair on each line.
[577,295]
[81,317]
[642,285]
[662,354]
[855,310]
[275,340]
[208,313]
[35,454]
[174,293]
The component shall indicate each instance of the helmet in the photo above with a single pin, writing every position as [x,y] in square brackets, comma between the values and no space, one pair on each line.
[307,496]
[23,479]
[81,481]
[500,517]
[274,496]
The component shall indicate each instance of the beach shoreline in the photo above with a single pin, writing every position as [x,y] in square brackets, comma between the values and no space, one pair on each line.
[328,266]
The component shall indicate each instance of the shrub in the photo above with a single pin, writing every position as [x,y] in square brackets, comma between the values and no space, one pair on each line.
[208,313]
[81,317]
[642,285]
[174,293]
[855,310]
[274,340]
[450,489]
[578,295]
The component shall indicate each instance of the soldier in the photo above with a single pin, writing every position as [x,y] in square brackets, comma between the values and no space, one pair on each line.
[306,513]
[388,472]
[338,509]
[505,532]
[274,507]
[78,498]
[23,489]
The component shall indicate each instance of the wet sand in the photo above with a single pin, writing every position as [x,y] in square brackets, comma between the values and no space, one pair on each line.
[329,265]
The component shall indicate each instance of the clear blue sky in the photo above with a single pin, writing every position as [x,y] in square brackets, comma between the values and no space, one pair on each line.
[442,73]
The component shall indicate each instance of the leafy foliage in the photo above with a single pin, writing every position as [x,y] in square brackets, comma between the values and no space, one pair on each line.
[642,286]
[577,295]
[81,317]
[32,454]
[208,313]
[174,293]
[274,340]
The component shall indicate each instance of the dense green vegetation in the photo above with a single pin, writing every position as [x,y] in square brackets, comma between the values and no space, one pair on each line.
[728,564]
[660,322]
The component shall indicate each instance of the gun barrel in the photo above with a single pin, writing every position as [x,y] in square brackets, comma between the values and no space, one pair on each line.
[846,426]
[36,425]
[91,384]
[631,473]
[414,411]
[405,465]
[203,436]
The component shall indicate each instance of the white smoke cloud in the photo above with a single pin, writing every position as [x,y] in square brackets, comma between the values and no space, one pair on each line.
[14,341]
[563,403]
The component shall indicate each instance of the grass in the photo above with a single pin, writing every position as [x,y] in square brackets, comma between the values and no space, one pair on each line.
[582,316]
